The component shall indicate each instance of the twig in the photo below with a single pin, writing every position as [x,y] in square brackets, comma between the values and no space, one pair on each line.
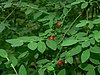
[66,14]
[69,28]
[66,32]
[7,16]
[12,66]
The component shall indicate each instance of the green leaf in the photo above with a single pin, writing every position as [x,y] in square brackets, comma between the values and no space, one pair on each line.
[97,35]
[69,42]
[44,10]
[36,55]
[13,59]
[99,69]
[41,71]
[69,60]
[50,68]
[7,5]
[68,55]
[91,25]
[41,47]
[84,5]
[22,70]
[83,23]
[38,14]
[8,63]
[62,72]
[23,4]
[75,50]
[76,2]
[73,72]
[95,49]
[15,42]
[42,61]
[92,41]
[51,44]
[94,61]
[28,11]
[34,6]
[43,19]
[85,44]
[86,66]
[51,18]
[80,34]
[91,72]
[3,53]
[96,21]
[65,10]
[51,23]
[46,32]
[29,38]
[32,45]
[2,26]
[63,54]
[23,54]
[73,30]
[85,56]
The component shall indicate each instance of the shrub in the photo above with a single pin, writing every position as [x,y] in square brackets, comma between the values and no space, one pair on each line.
[50,37]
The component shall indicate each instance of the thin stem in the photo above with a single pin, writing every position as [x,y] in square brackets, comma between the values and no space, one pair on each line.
[54,73]
[69,28]
[87,14]
[58,53]
[8,16]
[12,66]
[66,14]
[66,32]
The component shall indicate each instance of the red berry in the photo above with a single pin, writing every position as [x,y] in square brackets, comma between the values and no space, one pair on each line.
[58,24]
[60,62]
[51,38]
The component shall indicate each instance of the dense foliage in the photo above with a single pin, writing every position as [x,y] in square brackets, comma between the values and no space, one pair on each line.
[49,37]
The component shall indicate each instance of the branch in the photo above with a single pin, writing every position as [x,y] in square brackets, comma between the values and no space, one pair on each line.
[12,66]
[69,28]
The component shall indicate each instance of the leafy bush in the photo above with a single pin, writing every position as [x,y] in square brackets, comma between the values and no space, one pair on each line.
[49,37]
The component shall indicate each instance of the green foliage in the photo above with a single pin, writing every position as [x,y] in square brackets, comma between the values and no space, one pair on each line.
[3,53]
[69,41]
[62,72]
[85,56]
[25,28]
[76,50]
[41,46]
[22,70]
[32,45]
[51,44]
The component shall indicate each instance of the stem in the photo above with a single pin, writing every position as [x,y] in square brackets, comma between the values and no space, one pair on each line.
[7,16]
[54,73]
[69,28]
[66,14]
[12,66]
[87,14]
[66,32]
